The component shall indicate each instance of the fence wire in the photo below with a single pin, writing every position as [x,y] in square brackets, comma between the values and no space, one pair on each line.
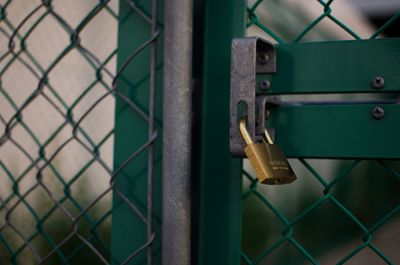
[58,86]
[337,212]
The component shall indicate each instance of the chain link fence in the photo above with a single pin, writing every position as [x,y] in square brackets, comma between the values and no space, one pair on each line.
[338,211]
[58,88]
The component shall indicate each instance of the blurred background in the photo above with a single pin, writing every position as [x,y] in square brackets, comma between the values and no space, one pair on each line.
[30,41]
[37,128]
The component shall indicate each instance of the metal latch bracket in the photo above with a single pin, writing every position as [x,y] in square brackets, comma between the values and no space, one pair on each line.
[250,56]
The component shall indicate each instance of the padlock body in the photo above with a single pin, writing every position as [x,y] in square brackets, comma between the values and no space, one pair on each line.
[269,163]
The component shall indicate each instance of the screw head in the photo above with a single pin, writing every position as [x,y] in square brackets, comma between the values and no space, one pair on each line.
[378,113]
[265,85]
[378,82]
[262,58]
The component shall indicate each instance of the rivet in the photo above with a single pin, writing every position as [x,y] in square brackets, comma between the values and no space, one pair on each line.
[262,58]
[378,113]
[378,82]
[265,85]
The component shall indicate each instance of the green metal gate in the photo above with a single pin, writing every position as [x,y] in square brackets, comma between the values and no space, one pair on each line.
[339,126]
[114,134]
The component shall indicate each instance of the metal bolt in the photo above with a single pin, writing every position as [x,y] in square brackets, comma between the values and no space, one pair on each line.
[378,82]
[262,58]
[265,85]
[378,113]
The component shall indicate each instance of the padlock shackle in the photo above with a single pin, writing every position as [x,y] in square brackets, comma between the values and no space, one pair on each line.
[269,139]
[244,132]
[246,135]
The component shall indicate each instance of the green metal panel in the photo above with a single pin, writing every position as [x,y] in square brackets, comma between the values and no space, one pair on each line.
[131,132]
[328,129]
[337,131]
[220,175]
[335,67]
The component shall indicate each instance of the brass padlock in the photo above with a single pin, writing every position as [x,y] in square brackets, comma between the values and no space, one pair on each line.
[267,159]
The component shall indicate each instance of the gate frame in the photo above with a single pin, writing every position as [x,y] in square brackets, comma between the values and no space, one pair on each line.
[217,232]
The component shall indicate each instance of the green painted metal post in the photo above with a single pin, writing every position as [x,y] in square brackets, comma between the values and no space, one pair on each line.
[130,231]
[220,174]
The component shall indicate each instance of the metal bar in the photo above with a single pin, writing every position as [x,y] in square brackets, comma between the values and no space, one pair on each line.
[220,178]
[366,131]
[151,131]
[361,66]
[176,241]
[136,191]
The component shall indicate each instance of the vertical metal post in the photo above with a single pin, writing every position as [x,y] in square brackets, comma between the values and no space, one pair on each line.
[136,215]
[150,154]
[177,116]
[219,175]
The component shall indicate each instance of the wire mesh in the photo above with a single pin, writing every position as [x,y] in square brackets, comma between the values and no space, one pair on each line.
[58,86]
[338,211]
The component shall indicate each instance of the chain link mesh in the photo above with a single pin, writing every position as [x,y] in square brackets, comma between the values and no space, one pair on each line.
[338,211]
[58,81]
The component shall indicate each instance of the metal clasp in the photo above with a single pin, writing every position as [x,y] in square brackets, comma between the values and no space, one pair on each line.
[250,56]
